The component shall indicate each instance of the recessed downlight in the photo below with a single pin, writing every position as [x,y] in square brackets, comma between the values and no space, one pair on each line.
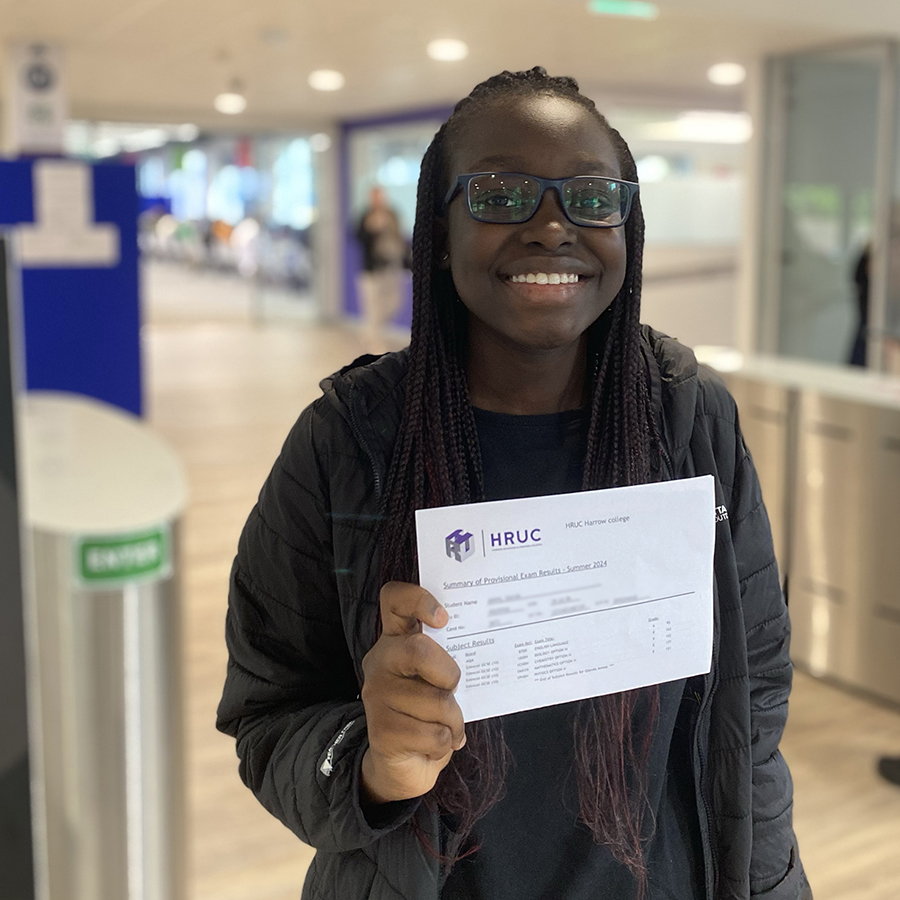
[326,80]
[727,73]
[447,49]
[230,103]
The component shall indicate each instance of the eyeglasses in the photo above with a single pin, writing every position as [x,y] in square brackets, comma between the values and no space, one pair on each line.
[511,198]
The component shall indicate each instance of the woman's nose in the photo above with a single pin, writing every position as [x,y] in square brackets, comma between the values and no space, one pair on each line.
[549,225]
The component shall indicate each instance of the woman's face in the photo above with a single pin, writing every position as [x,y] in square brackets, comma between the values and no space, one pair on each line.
[552,138]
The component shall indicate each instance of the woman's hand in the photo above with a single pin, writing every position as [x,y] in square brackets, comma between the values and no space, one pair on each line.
[413,719]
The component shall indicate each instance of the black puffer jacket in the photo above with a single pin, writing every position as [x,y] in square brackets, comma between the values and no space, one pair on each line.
[302,616]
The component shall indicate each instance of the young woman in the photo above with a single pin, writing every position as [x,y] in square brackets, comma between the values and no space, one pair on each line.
[527,373]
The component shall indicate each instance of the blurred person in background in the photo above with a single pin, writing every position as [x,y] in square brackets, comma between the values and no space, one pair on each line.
[381,281]
[528,373]
[861,282]
[244,242]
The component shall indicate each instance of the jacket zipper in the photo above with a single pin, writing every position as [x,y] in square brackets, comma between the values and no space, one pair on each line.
[357,430]
[708,849]
[667,460]
[709,856]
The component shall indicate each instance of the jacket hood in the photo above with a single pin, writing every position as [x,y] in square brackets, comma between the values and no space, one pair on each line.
[675,383]
[369,394]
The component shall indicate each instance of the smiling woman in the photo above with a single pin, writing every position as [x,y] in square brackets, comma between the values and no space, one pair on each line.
[528,373]
[541,322]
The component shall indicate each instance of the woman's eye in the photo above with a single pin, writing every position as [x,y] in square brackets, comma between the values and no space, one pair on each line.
[593,201]
[497,199]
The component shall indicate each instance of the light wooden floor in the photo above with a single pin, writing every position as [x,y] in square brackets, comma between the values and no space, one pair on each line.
[225,392]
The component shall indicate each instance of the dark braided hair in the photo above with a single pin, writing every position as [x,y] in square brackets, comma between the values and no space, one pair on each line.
[437,462]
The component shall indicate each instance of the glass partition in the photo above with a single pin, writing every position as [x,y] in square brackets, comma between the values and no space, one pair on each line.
[825,219]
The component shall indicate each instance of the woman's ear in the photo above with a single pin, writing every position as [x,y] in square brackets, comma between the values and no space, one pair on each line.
[441,243]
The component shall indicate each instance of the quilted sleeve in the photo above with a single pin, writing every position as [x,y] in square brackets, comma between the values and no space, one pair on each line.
[775,868]
[291,692]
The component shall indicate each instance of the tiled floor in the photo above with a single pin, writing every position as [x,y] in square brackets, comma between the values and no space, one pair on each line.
[224,389]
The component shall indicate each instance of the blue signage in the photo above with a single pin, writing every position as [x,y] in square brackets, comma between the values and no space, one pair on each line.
[76,245]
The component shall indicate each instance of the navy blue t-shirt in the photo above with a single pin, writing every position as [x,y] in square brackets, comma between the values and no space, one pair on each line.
[531,845]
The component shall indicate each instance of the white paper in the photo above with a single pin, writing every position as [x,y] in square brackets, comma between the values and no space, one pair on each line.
[64,233]
[560,598]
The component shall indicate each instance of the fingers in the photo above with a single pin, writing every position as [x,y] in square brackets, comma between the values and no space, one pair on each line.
[418,656]
[412,713]
[429,705]
[414,721]
[414,657]
[405,606]
[398,733]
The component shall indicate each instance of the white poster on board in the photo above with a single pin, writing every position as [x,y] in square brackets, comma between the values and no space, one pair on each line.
[64,232]
[37,105]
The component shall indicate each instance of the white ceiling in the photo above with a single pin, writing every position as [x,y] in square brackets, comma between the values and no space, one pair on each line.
[165,60]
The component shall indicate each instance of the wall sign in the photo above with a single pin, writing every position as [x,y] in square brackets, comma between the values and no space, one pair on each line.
[36,99]
[77,243]
[117,560]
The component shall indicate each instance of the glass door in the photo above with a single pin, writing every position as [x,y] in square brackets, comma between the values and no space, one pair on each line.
[826,203]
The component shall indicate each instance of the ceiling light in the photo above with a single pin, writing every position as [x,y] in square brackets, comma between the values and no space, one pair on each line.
[727,73]
[230,103]
[448,49]
[320,142]
[187,132]
[702,127]
[144,139]
[106,146]
[326,80]
[633,9]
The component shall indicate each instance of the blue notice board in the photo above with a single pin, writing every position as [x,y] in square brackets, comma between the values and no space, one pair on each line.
[77,250]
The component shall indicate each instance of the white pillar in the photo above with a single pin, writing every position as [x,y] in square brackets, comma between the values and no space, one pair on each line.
[329,242]
[750,252]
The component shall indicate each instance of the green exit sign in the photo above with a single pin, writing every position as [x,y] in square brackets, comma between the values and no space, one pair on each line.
[632,9]
[116,560]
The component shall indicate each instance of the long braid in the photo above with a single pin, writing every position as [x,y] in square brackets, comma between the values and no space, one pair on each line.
[437,462]
[622,439]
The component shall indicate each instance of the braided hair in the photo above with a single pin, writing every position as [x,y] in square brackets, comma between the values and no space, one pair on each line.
[437,462]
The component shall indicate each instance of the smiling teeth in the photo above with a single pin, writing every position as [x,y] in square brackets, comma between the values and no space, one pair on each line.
[544,278]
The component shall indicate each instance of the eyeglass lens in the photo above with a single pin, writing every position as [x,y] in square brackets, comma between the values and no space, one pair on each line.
[505,198]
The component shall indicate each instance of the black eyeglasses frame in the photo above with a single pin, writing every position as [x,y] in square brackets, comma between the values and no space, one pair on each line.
[462,183]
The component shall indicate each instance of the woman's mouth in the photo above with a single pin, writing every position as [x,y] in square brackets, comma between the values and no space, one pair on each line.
[544,278]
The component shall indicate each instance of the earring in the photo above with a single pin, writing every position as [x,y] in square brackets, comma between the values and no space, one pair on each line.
[445,258]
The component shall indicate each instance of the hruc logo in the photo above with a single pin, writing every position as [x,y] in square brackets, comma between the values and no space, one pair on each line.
[459,545]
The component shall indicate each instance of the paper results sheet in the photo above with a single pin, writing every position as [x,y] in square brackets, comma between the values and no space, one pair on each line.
[563,597]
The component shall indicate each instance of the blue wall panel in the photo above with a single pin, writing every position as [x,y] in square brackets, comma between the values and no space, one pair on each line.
[82,325]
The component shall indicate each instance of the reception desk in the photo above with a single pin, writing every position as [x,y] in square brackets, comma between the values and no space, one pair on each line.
[826,442]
